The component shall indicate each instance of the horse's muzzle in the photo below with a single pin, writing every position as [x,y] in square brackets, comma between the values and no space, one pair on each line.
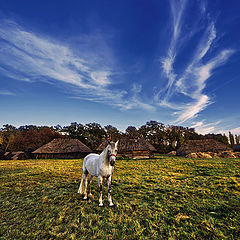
[112,162]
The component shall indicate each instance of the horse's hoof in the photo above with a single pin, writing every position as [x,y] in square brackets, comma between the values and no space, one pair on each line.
[85,198]
[111,205]
[100,205]
[91,196]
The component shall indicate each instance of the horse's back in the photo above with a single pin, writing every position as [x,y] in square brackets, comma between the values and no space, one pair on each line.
[92,154]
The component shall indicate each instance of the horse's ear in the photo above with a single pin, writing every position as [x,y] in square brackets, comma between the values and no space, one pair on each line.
[116,144]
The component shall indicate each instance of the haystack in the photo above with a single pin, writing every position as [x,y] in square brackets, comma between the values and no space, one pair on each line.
[204,145]
[62,148]
[198,155]
[135,148]
[172,153]
[227,154]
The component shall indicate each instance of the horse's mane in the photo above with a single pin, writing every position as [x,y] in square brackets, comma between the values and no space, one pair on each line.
[103,154]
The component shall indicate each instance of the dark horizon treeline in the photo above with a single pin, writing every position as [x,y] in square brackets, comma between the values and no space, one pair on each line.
[164,138]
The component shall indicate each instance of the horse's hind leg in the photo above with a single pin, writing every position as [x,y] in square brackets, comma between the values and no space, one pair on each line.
[89,185]
[100,182]
[85,173]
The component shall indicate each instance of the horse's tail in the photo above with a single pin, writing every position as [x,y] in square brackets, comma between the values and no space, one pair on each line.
[81,187]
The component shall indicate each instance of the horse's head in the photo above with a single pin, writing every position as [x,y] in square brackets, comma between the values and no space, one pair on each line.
[112,152]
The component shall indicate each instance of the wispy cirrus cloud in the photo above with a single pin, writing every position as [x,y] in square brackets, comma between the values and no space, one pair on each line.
[7,93]
[189,111]
[88,68]
[30,56]
[167,62]
[205,128]
[136,99]
[190,81]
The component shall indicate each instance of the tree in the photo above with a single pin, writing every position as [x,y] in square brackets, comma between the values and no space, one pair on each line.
[190,134]
[155,133]
[175,136]
[1,139]
[7,134]
[112,133]
[76,131]
[90,134]
[132,131]
[31,139]
[231,139]
[219,137]
[237,139]
[94,135]
[9,142]
[26,128]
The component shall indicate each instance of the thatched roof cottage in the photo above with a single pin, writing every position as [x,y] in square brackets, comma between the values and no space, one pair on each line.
[62,148]
[204,145]
[135,148]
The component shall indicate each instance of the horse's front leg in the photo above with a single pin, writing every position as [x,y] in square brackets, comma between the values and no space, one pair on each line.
[100,184]
[109,181]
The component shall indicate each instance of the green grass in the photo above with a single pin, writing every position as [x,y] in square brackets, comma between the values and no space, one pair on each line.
[161,198]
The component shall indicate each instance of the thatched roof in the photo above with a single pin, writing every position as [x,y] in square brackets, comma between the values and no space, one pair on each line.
[60,145]
[14,156]
[19,155]
[130,144]
[204,145]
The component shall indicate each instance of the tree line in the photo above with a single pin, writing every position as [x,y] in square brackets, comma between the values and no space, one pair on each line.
[164,138]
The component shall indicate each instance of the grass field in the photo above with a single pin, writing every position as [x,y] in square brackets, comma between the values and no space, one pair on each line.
[161,198]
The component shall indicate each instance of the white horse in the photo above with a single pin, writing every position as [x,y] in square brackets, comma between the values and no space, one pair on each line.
[100,166]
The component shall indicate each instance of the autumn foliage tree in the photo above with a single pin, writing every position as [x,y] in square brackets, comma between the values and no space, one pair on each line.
[163,138]
[8,133]
[32,139]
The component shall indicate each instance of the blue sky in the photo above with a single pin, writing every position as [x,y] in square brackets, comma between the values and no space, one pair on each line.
[121,63]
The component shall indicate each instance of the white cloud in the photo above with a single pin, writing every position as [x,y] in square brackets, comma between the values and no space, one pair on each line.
[101,78]
[191,110]
[177,10]
[205,128]
[7,93]
[135,100]
[191,80]
[87,69]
